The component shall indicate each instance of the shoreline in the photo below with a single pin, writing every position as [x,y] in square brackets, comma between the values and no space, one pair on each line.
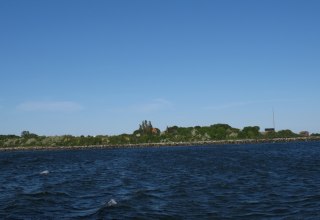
[166,144]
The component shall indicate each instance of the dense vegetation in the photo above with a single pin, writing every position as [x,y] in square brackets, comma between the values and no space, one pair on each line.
[148,134]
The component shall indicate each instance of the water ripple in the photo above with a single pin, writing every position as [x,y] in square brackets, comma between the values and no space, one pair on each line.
[263,181]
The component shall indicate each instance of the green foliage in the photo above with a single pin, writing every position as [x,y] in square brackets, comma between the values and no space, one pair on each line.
[220,131]
[147,134]
[270,135]
[286,134]
[145,127]
[250,132]
[27,134]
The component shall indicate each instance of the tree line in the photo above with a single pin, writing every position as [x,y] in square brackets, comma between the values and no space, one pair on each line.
[146,133]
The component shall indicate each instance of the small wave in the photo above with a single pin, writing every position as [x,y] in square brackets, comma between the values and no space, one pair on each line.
[40,194]
[146,193]
[104,210]
[45,172]
[112,202]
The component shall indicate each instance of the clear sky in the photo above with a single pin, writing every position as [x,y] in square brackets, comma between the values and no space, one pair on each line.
[101,67]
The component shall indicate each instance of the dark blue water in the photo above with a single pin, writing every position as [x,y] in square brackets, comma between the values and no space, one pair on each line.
[263,181]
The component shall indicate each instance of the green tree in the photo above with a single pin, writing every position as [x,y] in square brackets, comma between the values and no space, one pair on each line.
[145,127]
[286,134]
[27,135]
[250,132]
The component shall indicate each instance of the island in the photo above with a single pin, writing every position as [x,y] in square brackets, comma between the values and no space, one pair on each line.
[147,135]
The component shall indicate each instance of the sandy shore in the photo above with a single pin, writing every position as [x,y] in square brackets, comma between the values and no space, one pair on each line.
[167,144]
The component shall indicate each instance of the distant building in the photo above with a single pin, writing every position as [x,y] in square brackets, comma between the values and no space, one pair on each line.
[269,130]
[155,131]
[304,133]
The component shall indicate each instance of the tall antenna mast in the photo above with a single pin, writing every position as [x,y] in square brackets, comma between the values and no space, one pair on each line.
[274,125]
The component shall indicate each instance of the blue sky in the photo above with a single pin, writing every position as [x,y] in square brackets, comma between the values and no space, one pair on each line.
[101,67]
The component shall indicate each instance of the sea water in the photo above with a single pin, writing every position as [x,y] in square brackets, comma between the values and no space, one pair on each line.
[256,181]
